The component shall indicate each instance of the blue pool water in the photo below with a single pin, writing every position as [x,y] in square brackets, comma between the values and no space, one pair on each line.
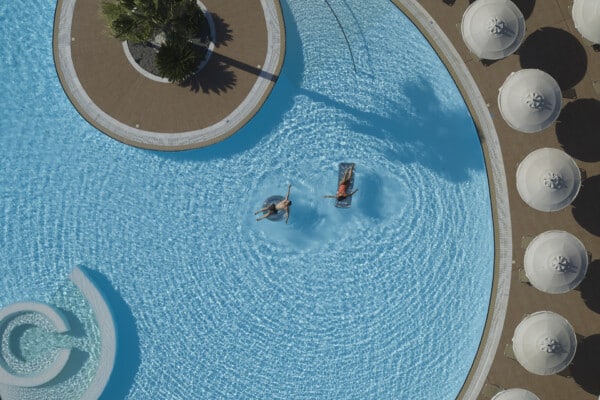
[385,300]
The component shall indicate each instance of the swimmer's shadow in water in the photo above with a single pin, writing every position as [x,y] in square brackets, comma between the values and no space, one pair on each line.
[369,198]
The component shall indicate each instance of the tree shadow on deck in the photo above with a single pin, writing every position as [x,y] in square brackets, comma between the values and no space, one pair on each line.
[577,129]
[223,32]
[217,76]
[556,52]
[279,101]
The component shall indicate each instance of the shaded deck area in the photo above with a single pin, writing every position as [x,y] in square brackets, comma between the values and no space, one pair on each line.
[112,95]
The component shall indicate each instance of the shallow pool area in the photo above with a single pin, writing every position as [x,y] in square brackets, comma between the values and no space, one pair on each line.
[384,300]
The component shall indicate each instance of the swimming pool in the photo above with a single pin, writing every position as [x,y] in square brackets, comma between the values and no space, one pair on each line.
[385,300]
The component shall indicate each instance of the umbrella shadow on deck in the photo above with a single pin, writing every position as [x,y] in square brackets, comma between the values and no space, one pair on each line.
[586,206]
[526,7]
[585,364]
[577,129]
[589,287]
[556,52]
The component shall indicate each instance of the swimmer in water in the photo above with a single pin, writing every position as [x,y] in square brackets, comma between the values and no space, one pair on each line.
[274,208]
[342,192]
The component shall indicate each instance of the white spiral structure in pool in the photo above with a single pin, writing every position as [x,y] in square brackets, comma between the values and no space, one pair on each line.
[27,313]
[18,375]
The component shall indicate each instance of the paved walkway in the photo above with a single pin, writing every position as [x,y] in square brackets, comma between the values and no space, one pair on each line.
[552,44]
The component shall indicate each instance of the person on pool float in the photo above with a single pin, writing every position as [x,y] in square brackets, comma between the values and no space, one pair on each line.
[342,192]
[273,208]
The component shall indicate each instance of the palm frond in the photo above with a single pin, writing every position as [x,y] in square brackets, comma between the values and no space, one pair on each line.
[177,59]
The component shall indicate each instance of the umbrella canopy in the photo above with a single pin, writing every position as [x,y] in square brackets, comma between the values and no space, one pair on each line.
[548,179]
[529,100]
[544,343]
[555,262]
[586,15]
[515,394]
[493,29]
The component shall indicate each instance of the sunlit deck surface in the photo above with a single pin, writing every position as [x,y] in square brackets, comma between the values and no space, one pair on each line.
[552,44]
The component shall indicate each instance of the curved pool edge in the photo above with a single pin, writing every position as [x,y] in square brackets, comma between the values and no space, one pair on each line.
[108,332]
[146,139]
[498,192]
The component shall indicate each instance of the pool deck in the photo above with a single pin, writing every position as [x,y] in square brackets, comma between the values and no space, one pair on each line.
[558,49]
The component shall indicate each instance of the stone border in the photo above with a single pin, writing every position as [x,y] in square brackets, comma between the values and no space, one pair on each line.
[61,356]
[161,140]
[209,51]
[498,192]
[108,333]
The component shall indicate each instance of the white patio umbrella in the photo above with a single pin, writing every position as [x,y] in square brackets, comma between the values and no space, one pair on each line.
[586,15]
[548,179]
[529,100]
[515,394]
[544,343]
[555,262]
[493,29]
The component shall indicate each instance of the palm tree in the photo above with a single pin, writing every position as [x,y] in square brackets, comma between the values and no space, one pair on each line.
[142,21]
[189,20]
[134,20]
[177,59]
